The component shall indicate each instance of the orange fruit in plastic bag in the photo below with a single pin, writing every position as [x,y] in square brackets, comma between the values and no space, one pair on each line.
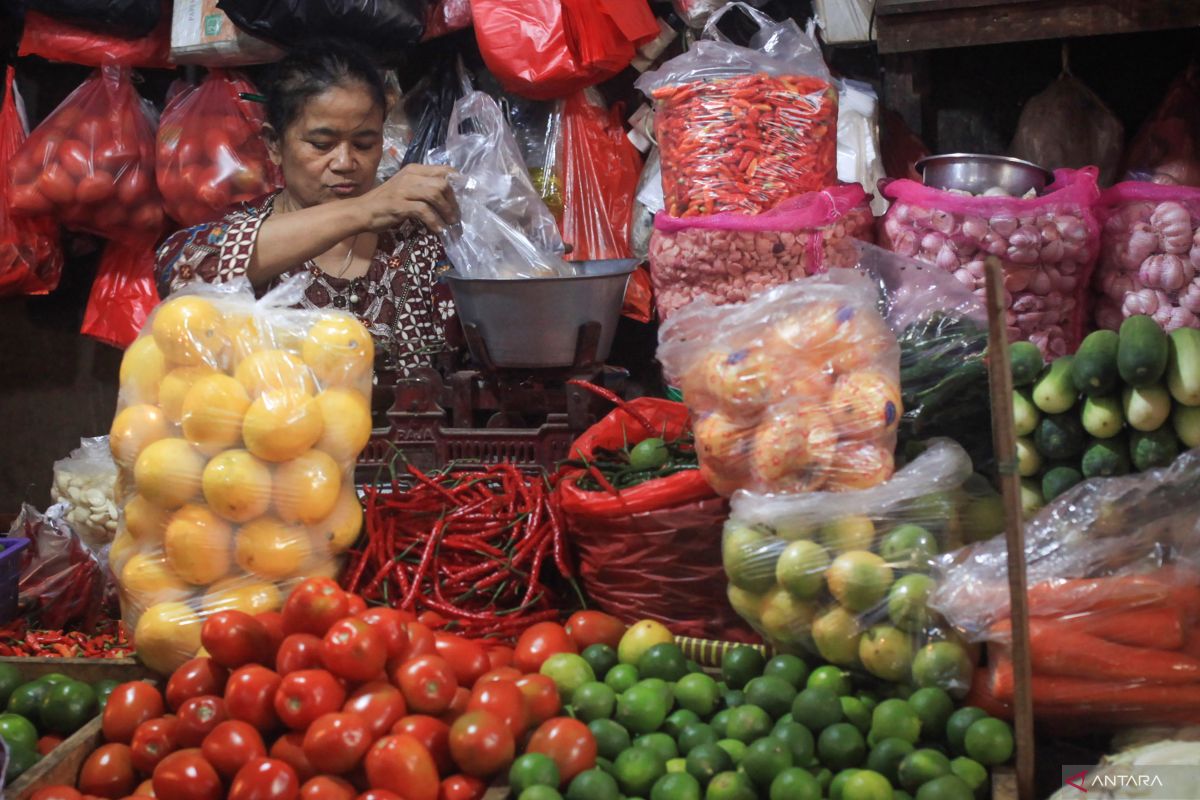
[188,331]
[147,579]
[325,568]
[271,548]
[281,425]
[862,339]
[142,369]
[133,429]
[242,593]
[274,370]
[175,386]
[742,381]
[865,405]
[347,417]
[145,521]
[860,465]
[306,488]
[796,447]
[723,443]
[339,350]
[167,473]
[197,545]
[212,413]
[339,531]
[249,334]
[237,486]
[123,547]
[812,383]
[809,333]
[167,635]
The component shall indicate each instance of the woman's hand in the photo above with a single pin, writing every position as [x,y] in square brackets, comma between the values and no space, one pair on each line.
[417,192]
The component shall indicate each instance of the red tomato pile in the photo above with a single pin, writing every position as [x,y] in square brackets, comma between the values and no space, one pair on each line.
[91,163]
[332,701]
[210,151]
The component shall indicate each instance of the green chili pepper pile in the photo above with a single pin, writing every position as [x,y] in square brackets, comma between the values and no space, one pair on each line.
[649,459]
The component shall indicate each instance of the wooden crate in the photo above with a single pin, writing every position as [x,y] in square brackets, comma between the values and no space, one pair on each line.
[88,670]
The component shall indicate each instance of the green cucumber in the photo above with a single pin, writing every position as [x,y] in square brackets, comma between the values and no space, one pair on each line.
[1186,422]
[1025,413]
[1058,480]
[1026,362]
[1055,392]
[1029,461]
[1153,449]
[1183,366]
[1142,351]
[1031,497]
[1102,416]
[1094,370]
[1059,437]
[1147,408]
[1104,458]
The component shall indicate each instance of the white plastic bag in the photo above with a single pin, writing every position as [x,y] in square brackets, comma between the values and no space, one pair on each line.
[858,153]
[84,482]
[201,33]
[844,21]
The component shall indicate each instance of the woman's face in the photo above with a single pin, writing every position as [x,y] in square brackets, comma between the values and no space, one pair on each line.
[332,149]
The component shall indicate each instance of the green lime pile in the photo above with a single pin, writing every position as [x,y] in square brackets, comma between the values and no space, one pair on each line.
[775,730]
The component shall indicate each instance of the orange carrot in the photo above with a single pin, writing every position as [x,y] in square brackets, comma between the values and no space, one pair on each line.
[1156,627]
[1078,595]
[1090,695]
[1057,649]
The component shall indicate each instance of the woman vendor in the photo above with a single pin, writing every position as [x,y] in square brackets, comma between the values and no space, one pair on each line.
[371,249]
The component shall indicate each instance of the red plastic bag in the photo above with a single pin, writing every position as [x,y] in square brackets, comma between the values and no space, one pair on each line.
[545,49]
[90,164]
[1167,147]
[30,259]
[123,294]
[56,40]
[652,550]
[447,16]
[210,150]
[639,296]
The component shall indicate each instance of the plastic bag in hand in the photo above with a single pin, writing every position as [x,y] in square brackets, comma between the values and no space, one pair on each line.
[377,24]
[123,293]
[506,231]
[57,40]
[90,164]
[795,390]
[211,154]
[31,260]
[237,430]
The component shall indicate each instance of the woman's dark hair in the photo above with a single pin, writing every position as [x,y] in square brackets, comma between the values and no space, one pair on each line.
[305,73]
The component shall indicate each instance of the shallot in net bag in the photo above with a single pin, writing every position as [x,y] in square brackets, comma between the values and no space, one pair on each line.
[1047,246]
[795,390]
[237,429]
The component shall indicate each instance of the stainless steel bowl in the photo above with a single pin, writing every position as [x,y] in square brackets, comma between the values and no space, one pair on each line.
[539,323]
[977,173]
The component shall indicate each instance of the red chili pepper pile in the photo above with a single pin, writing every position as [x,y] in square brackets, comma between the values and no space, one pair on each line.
[474,548]
[16,639]
[744,144]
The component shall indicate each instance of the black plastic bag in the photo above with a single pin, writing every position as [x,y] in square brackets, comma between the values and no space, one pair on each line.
[429,104]
[379,25]
[131,19]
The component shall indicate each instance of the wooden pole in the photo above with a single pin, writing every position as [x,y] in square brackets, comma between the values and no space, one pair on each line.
[1005,442]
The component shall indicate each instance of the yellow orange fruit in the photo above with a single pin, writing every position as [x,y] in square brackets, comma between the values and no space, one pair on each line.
[865,405]
[249,334]
[281,425]
[860,465]
[188,330]
[722,443]
[133,428]
[306,488]
[145,521]
[212,413]
[123,547]
[346,414]
[242,593]
[197,545]
[175,386]
[147,579]
[167,635]
[237,486]
[339,531]
[274,370]
[167,473]
[142,369]
[325,568]
[272,549]
[794,449]
[339,350]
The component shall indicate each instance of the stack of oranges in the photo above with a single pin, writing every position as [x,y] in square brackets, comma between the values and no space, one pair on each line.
[236,436]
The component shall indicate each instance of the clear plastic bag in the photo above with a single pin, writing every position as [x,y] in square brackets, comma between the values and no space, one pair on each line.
[645,207]
[848,575]
[397,133]
[1047,246]
[201,33]
[795,390]
[237,430]
[742,128]
[85,483]
[506,231]
[731,257]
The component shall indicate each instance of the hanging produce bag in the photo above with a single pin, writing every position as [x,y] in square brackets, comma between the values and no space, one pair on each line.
[90,164]
[447,16]
[732,257]
[1149,255]
[123,293]
[237,430]
[1048,246]
[203,34]
[650,550]
[544,49]
[211,154]
[1167,147]
[794,390]
[741,129]
[429,105]
[31,260]
[57,40]
[380,25]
